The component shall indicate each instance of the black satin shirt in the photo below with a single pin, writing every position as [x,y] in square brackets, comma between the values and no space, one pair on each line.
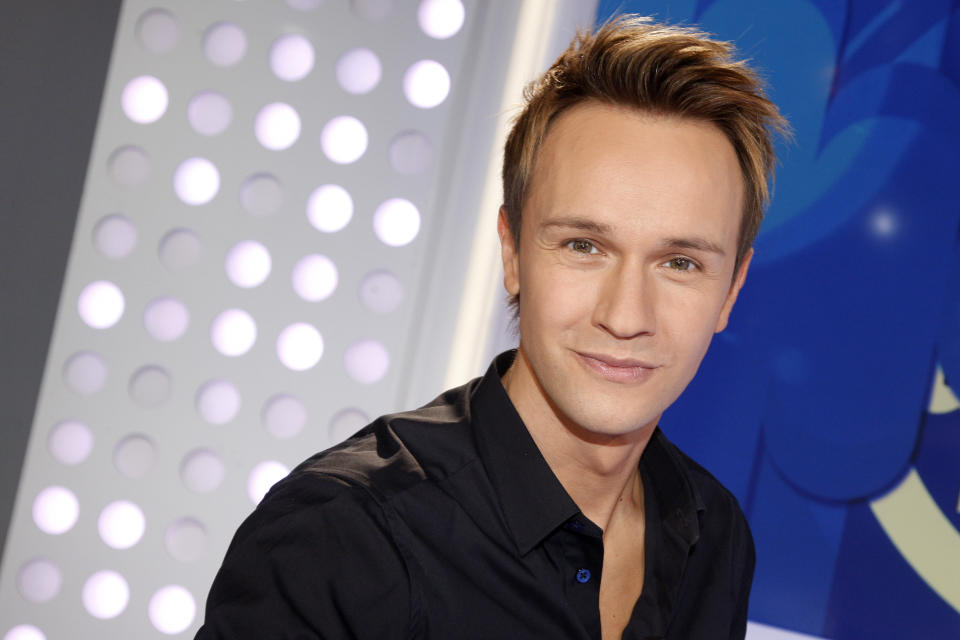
[446,522]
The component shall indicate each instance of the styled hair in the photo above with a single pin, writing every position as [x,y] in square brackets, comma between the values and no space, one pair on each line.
[667,70]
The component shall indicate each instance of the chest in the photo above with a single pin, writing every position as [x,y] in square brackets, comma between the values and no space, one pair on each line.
[623,577]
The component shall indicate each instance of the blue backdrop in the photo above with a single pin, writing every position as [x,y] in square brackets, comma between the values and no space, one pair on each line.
[814,403]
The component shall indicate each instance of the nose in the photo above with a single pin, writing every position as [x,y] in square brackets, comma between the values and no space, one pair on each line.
[626,304]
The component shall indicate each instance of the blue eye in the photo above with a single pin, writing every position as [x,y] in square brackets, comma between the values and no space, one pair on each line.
[582,246]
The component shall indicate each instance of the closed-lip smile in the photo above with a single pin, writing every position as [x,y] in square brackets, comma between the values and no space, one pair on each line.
[616,369]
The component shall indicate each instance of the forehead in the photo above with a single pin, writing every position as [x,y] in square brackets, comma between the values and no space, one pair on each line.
[627,167]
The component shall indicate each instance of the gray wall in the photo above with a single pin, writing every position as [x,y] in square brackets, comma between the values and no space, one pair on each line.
[53,63]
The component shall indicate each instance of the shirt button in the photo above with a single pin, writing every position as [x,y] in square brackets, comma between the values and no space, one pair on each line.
[583,575]
[575,525]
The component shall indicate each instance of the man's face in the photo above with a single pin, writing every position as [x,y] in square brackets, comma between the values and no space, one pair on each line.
[624,267]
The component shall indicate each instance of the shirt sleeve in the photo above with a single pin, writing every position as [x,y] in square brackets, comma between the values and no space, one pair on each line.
[316,559]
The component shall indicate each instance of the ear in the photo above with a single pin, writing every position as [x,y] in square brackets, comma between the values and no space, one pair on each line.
[508,253]
[734,291]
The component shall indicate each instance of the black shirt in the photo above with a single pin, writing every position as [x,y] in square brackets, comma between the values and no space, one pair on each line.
[446,522]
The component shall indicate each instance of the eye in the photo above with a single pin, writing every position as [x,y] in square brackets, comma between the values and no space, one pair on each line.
[582,246]
[681,263]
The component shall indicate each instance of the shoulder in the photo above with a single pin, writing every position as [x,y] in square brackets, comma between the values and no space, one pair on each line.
[713,496]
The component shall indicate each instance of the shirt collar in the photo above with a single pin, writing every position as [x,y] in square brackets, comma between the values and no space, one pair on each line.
[533,500]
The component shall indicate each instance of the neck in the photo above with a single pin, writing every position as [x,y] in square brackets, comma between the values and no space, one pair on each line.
[599,471]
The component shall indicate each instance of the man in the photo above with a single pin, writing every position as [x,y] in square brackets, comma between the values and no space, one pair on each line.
[542,501]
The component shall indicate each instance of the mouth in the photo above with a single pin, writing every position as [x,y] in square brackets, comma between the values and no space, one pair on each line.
[620,370]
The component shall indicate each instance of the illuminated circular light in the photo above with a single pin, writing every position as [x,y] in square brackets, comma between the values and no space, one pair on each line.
[24,632]
[114,236]
[224,44]
[264,475]
[346,423]
[209,113]
[366,361]
[291,57]
[218,401]
[381,291]
[373,10]
[55,510]
[261,195]
[129,166]
[315,277]
[186,540]
[202,471]
[410,152]
[884,223]
[277,126]
[344,139]
[150,386]
[358,70]
[440,19]
[172,609]
[39,580]
[304,5]
[133,457]
[105,594]
[166,319]
[300,346]
[196,181]
[426,84]
[157,31]
[233,332]
[329,208]
[144,99]
[85,373]
[121,524]
[396,222]
[100,304]
[70,442]
[248,264]
[284,416]
[180,249]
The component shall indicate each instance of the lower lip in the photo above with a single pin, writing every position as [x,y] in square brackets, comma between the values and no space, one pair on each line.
[613,373]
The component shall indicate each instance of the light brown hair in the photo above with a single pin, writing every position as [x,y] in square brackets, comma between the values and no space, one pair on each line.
[634,62]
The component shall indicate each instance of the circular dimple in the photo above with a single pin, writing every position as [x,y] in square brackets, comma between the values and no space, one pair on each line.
[166,319]
[129,166]
[261,195]
[366,361]
[284,416]
[70,442]
[218,401]
[150,386]
[180,249]
[134,455]
[202,471]
[85,373]
[410,152]
[346,423]
[381,291]
[209,113]
[157,30]
[358,70]
[291,57]
[224,44]
[186,540]
[114,236]
[39,580]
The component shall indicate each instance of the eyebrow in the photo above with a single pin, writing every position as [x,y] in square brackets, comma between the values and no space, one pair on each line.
[698,244]
[578,223]
[583,224]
